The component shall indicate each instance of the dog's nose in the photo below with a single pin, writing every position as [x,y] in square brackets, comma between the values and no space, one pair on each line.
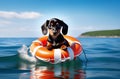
[55,33]
[54,30]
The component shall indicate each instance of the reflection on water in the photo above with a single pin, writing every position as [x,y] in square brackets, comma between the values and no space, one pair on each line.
[67,70]
[42,70]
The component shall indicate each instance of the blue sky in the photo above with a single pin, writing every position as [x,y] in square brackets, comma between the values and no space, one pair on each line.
[23,18]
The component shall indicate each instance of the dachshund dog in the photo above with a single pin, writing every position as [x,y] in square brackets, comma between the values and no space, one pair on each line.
[55,38]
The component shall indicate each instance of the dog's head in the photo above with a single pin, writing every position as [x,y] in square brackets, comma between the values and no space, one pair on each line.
[54,26]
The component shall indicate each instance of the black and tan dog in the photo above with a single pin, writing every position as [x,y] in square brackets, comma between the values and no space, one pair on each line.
[55,38]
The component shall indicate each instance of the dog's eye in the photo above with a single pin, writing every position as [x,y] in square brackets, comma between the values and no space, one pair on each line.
[51,23]
[57,23]
[49,27]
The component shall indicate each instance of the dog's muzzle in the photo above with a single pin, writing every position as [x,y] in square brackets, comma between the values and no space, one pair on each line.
[54,31]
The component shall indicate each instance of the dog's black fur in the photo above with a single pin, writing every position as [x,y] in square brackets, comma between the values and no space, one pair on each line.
[55,38]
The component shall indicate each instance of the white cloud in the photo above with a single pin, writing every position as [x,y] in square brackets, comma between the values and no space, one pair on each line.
[19,32]
[21,15]
[5,22]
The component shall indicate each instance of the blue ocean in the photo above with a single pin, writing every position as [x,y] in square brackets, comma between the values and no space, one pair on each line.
[102,62]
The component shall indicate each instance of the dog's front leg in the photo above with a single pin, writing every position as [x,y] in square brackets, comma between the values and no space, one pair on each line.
[49,46]
[63,47]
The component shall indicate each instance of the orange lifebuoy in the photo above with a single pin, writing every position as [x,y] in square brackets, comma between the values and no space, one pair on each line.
[39,50]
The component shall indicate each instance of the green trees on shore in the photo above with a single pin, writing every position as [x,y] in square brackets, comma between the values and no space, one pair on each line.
[102,33]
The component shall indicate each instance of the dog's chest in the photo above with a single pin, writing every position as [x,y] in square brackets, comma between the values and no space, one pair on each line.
[55,43]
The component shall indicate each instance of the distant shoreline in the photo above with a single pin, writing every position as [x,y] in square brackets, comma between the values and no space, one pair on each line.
[102,34]
[99,36]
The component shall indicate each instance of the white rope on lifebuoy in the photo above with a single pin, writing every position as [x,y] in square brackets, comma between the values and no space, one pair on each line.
[71,53]
[57,55]
[38,42]
[35,50]
[75,42]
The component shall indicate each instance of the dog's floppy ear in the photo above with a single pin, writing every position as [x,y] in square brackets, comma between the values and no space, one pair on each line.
[44,27]
[65,28]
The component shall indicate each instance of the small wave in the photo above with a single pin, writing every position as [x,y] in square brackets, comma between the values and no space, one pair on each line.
[8,62]
[10,57]
[23,54]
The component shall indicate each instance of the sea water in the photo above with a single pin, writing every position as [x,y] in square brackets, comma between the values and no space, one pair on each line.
[103,55]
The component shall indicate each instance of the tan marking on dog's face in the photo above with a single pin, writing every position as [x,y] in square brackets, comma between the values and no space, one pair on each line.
[52,34]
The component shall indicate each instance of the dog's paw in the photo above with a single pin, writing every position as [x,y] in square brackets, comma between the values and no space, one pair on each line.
[63,47]
[49,47]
